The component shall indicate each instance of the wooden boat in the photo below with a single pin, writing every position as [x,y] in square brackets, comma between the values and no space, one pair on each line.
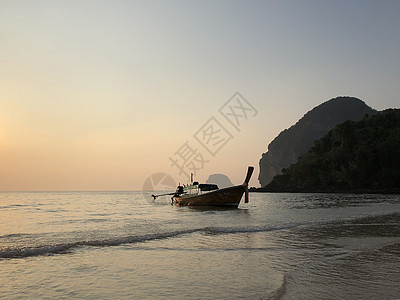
[210,195]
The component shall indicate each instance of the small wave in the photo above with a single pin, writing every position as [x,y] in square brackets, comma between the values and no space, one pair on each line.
[13,235]
[27,251]
[224,230]
[11,206]
[279,292]
[23,252]
[62,248]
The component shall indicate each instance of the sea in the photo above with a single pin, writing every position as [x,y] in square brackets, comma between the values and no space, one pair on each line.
[125,245]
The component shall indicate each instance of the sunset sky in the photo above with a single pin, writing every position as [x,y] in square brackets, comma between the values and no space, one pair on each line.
[99,95]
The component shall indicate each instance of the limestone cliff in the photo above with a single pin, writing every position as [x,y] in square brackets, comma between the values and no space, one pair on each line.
[286,148]
[361,157]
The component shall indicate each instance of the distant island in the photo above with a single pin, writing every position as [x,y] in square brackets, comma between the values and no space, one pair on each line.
[221,180]
[356,156]
[291,143]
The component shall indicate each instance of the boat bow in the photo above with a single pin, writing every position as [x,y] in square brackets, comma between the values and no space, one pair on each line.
[250,170]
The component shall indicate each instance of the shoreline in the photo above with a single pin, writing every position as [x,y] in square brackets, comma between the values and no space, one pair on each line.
[395,191]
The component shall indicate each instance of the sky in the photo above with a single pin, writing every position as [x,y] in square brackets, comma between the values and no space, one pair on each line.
[102,95]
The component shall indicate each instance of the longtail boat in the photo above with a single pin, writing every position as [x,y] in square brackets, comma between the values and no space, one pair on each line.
[197,194]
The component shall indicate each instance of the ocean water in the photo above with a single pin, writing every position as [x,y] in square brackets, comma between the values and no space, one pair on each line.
[124,245]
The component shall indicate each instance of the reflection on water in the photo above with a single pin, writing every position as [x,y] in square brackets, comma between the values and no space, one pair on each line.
[119,245]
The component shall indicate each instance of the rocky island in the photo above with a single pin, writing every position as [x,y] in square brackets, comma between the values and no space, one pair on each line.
[356,156]
[286,148]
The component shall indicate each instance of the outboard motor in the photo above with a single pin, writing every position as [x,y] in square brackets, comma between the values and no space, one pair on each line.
[179,190]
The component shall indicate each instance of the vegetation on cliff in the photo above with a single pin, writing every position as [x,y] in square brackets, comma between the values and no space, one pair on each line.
[355,156]
[286,148]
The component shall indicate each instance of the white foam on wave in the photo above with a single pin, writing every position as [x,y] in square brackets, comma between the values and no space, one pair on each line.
[28,251]
[62,248]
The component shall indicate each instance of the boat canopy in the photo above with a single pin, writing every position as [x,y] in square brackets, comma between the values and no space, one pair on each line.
[208,187]
[204,187]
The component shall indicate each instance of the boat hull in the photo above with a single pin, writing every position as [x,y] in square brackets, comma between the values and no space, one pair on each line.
[228,197]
